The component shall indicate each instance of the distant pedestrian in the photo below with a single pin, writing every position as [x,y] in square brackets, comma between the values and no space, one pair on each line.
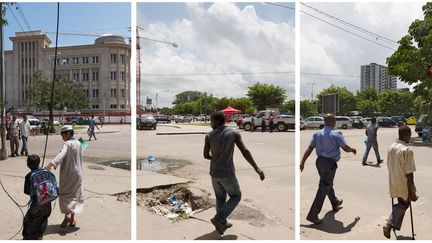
[71,199]
[271,122]
[219,149]
[401,168]
[252,123]
[12,134]
[372,141]
[327,143]
[92,126]
[263,124]
[24,133]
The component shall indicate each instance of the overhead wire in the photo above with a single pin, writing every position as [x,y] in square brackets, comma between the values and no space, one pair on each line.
[216,74]
[23,17]
[16,19]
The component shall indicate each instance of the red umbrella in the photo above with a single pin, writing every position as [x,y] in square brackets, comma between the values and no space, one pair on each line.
[230,110]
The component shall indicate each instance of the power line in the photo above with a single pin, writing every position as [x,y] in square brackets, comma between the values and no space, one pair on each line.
[23,17]
[362,37]
[331,75]
[388,40]
[16,19]
[215,74]
[280,5]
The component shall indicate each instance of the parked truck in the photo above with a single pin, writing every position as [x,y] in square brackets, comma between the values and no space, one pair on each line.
[281,122]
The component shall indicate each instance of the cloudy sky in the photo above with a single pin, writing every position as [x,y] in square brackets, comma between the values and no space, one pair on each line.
[326,49]
[215,38]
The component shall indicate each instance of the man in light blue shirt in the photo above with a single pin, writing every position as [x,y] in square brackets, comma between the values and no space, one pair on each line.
[327,143]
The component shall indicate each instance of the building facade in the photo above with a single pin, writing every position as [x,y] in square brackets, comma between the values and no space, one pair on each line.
[102,69]
[376,76]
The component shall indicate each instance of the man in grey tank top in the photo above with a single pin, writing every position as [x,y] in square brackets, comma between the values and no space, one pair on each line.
[372,142]
[219,149]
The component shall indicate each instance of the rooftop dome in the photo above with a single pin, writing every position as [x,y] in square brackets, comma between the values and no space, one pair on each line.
[110,39]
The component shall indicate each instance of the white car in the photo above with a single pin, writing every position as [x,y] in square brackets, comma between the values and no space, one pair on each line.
[314,122]
[343,122]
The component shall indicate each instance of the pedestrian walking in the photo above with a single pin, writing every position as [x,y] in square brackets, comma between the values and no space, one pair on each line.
[401,168]
[71,199]
[24,133]
[372,141]
[263,124]
[252,123]
[219,149]
[91,129]
[327,143]
[271,122]
[12,135]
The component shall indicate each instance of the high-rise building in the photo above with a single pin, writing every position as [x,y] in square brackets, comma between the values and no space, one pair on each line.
[376,76]
[102,69]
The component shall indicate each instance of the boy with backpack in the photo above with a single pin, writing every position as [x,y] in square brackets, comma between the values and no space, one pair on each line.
[42,188]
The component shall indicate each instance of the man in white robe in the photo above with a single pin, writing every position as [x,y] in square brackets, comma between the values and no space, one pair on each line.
[71,199]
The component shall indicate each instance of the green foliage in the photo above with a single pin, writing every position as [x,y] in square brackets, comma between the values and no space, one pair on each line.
[266,95]
[347,100]
[309,108]
[288,106]
[66,94]
[187,96]
[392,102]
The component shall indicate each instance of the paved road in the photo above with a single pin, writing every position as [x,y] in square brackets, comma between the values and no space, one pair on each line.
[365,192]
[273,198]
[104,217]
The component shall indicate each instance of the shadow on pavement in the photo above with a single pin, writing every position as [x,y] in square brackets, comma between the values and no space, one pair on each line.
[216,236]
[331,225]
[55,229]
[373,164]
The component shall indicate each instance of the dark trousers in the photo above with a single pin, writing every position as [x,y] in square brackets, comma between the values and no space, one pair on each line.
[271,125]
[326,170]
[14,145]
[36,221]
[222,187]
[24,145]
[396,217]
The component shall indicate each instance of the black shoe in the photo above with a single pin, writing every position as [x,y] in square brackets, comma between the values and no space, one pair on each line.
[380,161]
[364,163]
[314,220]
[337,206]
[227,226]
[386,230]
[13,155]
[218,225]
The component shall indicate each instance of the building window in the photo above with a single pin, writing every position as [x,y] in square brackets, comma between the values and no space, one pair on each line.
[113,106]
[75,76]
[123,76]
[95,106]
[113,75]
[123,58]
[75,60]
[113,58]
[34,63]
[122,93]
[95,93]
[113,93]
[87,93]
[85,60]
[85,76]
[95,76]
[95,59]
[122,106]
[65,61]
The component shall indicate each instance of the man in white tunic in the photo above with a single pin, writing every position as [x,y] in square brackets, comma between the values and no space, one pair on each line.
[71,197]
[401,169]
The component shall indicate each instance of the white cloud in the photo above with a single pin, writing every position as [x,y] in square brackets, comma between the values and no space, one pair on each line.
[222,38]
[326,49]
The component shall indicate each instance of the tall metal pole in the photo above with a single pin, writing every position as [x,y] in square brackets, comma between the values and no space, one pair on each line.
[3,151]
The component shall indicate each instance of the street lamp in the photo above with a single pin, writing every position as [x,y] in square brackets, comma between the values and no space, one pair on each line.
[157,94]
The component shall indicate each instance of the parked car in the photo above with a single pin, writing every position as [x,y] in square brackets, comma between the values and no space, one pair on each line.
[45,121]
[33,120]
[314,122]
[146,122]
[385,122]
[72,120]
[343,122]
[400,120]
[411,120]
[358,123]
[422,122]
[162,118]
[182,119]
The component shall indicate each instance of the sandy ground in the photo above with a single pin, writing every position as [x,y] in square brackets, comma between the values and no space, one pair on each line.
[365,192]
[104,217]
[267,207]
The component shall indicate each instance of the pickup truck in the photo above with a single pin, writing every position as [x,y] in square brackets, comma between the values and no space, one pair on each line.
[281,122]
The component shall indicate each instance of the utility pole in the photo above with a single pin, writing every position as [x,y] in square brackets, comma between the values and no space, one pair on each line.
[3,151]
[312,85]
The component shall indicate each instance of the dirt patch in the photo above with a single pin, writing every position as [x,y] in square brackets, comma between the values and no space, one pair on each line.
[251,215]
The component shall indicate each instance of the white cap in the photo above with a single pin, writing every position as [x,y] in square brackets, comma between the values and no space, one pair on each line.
[66,128]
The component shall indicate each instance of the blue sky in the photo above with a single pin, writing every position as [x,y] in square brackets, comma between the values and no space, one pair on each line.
[94,18]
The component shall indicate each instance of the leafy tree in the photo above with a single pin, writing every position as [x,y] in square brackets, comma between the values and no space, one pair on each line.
[347,100]
[394,102]
[166,111]
[288,106]
[412,61]
[309,108]
[187,96]
[266,95]
[66,94]
[367,102]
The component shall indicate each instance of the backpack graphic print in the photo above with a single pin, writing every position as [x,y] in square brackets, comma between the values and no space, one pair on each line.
[44,188]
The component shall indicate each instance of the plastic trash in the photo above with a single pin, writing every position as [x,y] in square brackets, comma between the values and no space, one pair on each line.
[83,143]
[151,159]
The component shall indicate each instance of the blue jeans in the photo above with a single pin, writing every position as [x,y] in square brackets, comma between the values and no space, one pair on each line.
[370,145]
[24,145]
[223,187]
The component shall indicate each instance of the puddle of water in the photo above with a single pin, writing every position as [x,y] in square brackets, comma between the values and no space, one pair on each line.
[149,164]
[121,164]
